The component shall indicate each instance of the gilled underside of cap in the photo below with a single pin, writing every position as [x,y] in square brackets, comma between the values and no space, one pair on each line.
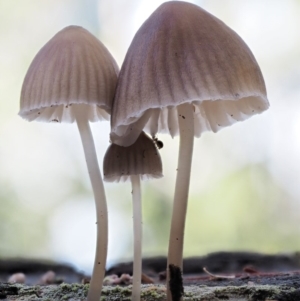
[184,54]
[66,113]
[72,68]
[141,158]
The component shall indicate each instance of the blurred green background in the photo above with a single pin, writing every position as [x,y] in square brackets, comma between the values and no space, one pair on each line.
[245,188]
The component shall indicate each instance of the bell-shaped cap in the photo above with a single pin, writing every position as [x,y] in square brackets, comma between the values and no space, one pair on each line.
[73,69]
[141,158]
[183,54]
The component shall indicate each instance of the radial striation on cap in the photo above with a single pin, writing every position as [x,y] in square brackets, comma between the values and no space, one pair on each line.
[183,54]
[141,158]
[73,69]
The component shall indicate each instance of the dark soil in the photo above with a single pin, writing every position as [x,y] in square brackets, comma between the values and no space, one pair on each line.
[219,262]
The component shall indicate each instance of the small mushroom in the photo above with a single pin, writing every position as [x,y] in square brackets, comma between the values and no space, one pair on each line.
[73,78]
[17,278]
[185,72]
[138,161]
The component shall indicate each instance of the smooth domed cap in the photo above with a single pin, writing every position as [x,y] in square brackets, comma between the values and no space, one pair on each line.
[141,158]
[183,54]
[73,68]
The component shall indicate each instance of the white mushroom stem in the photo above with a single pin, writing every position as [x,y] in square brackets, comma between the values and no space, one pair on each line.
[137,235]
[186,132]
[94,292]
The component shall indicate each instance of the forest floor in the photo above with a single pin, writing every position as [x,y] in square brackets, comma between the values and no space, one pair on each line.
[235,276]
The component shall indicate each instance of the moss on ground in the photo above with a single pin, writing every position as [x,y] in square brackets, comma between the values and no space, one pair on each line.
[78,292]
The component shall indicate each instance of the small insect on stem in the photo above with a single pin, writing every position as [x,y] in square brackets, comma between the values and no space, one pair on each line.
[159,144]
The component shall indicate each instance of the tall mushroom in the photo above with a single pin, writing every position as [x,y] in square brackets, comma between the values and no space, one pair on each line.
[73,78]
[137,161]
[185,72]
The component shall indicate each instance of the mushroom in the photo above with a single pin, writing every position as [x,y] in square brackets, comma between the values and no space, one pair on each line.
[185,72]
[73,78]
[138,161]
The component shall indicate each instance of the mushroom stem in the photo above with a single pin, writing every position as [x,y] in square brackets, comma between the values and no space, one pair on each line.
[137,234]
[94,292]
[186,132]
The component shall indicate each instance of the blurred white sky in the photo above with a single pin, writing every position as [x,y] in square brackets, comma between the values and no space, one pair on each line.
[36,158]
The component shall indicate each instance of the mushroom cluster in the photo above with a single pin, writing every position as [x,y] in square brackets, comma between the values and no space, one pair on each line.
[185,72]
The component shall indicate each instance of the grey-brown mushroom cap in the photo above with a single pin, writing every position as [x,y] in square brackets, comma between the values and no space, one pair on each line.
[73,69]
[141,158]
[183,54]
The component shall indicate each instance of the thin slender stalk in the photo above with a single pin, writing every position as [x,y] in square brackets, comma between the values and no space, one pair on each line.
[137,234]
[94,292]
[186,132]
